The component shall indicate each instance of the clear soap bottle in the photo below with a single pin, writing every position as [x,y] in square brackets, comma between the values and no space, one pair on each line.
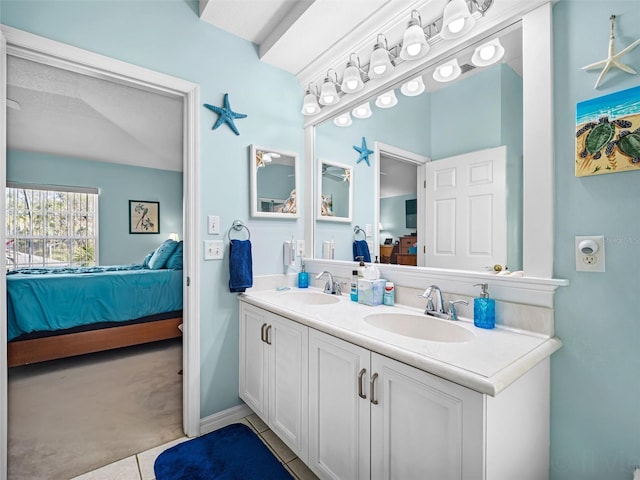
[484,308]
[354,286]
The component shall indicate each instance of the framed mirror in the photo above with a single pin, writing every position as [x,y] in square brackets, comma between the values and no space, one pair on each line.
[335,192]
[274,183]
[481,109]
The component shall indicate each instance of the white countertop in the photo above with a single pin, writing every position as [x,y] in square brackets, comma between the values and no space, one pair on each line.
[488,364]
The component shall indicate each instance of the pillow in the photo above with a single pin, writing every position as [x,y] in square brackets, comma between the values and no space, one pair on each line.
[175,260]
[145,262]
[162,254]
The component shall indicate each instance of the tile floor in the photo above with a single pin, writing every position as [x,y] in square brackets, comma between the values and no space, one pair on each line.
[140,467]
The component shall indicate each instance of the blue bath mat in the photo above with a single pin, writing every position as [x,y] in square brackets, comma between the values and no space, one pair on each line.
[232,453]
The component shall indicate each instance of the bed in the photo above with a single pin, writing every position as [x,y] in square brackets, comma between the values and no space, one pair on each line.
[60,312]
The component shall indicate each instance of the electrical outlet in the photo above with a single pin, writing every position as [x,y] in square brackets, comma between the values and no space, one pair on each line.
[213,225]
[589,253]
[367,230]
[213,250]
[300,248]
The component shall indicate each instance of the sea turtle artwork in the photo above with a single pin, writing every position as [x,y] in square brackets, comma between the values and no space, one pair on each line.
[607,135]
[600,135]
[628,143]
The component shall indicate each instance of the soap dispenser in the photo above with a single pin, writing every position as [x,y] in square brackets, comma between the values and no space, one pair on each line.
[484,308]
[303,277]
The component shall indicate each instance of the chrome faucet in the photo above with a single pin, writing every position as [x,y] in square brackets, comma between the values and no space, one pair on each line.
[439,309]
[331,287]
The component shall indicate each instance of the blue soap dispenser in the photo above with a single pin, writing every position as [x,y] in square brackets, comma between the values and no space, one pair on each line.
[484,308]
[303,277]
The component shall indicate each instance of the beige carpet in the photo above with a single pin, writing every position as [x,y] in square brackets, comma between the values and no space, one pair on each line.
[71,416]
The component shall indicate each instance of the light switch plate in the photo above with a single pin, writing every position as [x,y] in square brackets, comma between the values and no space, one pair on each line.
[213,225]
[213,250]
[300,248]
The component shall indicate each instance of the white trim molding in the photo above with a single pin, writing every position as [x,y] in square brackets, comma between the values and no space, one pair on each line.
[224,418]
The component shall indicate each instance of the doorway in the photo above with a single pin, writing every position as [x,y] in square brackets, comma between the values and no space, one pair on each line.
[400,212]
[31,47]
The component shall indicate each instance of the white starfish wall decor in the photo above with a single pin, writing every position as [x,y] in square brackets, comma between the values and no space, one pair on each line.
[613,60]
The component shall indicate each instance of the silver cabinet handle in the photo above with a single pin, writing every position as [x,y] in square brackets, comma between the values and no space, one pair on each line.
[360,375]
[262,337]
[374,377]
[267,336]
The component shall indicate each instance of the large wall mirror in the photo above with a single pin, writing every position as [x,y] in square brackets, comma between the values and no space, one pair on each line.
[274,183]
[479,110]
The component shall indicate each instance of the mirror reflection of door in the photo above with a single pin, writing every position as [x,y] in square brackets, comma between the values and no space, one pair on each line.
[336,194]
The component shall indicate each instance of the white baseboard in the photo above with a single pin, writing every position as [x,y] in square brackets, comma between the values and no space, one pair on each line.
[223,418]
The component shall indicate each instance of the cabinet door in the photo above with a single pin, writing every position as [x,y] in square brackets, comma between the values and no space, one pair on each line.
[423,426]
[339,424]
[288,351]
[253,362]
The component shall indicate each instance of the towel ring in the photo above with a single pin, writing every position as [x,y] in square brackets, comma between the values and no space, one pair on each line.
[357,230]
[237,225]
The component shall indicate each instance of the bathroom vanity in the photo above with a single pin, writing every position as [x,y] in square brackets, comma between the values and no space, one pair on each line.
[386,392]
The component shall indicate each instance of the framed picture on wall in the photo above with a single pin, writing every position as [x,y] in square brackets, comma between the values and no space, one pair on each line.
[144,216]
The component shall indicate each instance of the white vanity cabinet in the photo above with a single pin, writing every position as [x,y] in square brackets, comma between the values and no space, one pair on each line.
[352,413]
[273,373]
[373,417]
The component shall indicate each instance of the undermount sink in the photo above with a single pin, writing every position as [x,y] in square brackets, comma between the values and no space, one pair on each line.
[422,327]
[310,298]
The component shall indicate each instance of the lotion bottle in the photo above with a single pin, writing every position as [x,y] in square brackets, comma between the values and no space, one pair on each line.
[484,308]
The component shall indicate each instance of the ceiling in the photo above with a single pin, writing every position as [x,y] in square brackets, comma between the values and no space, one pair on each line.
[69,114]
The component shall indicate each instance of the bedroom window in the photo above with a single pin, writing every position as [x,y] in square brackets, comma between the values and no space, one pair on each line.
[51,226]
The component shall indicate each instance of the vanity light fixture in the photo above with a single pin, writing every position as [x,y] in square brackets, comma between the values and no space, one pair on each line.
[343,120]
[413,87]
[488,53]
[414,41]
[380,64]
[352,78]
[362,111]
[387,100]
[457,20]
[329,92]
[310,104]
[447,71]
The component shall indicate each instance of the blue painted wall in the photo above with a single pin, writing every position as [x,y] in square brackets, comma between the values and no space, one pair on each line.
[168,36]
[393,216]
[595,393]
[117,185]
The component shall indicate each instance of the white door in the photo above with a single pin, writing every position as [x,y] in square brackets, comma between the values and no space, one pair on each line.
[423,427]
[466,210]
[288,353]
[339,424]
[253,362]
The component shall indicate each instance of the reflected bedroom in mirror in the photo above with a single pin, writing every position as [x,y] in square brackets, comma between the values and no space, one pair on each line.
[274,183]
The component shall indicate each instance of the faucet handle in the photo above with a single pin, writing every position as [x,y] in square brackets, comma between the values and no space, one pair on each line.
[338,287]
[453,315]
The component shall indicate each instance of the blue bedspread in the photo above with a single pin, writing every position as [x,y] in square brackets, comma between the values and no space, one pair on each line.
[64,298]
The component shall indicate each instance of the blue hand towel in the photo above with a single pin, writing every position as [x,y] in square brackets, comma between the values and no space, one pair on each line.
[361,249]
[240,266]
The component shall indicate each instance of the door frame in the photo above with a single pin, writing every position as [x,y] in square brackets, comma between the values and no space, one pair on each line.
[400,154]
[43,50]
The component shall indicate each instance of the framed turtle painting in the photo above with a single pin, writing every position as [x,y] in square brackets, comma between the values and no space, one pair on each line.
[608,133]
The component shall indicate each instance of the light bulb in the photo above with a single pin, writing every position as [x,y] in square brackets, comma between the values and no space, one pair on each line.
[352,84]
[487,52]
[380,69]
[446,71]
[456,26]
[412,85]
[360,111]
[385,100]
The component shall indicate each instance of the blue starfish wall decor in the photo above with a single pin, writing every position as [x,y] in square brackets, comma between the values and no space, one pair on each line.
[226,115]
[363,151]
